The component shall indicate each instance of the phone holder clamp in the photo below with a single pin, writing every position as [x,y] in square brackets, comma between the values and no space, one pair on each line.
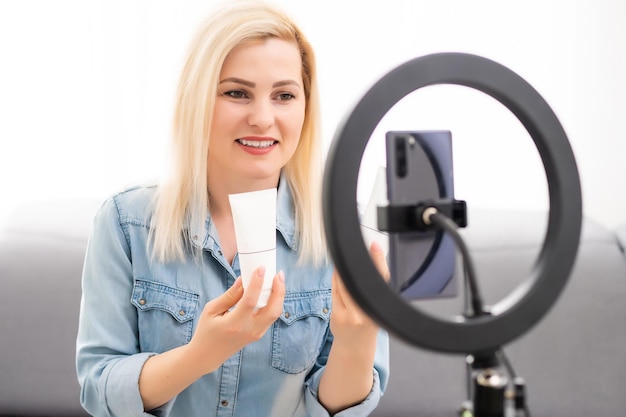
[413,217]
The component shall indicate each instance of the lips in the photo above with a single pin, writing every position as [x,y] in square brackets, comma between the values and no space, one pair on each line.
[255,143]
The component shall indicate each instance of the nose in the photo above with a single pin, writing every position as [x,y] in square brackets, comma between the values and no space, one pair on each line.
[261,114]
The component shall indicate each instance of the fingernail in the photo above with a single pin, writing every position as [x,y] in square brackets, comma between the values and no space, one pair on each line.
[281,276]
[261,271]
[376,246]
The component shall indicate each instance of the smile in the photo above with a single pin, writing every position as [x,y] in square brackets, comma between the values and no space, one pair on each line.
[258,144]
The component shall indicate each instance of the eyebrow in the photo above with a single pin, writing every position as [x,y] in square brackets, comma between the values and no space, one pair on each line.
[251,84]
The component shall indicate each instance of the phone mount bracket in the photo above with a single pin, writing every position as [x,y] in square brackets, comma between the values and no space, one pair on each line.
[410,218]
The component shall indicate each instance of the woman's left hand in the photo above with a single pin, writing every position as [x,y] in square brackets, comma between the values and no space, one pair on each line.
[348,376]
[348,323]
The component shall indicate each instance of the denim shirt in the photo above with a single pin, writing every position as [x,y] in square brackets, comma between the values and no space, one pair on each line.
[133,307]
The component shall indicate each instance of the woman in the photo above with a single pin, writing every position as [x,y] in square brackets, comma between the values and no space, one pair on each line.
[166,327]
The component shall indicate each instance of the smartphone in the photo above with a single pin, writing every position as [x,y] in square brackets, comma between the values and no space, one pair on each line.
[419,168]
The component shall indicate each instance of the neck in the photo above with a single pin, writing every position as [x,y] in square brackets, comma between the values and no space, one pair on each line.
[219,189]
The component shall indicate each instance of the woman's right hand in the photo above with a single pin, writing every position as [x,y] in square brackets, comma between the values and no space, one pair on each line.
[223,330]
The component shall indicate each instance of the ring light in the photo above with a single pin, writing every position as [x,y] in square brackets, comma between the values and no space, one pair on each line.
[530,301]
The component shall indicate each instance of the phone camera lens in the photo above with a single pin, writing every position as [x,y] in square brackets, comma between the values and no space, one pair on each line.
[401,163]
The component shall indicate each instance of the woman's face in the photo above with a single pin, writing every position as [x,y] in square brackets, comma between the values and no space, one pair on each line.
[259,113]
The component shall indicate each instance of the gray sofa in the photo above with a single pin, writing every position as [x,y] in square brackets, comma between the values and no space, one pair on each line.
[574,361]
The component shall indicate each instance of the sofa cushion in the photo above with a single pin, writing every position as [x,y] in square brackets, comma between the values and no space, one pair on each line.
[41,256]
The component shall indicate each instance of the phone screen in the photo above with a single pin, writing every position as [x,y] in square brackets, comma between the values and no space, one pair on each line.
[419,167]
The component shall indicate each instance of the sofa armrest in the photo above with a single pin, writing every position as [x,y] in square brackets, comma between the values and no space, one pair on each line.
[620,234]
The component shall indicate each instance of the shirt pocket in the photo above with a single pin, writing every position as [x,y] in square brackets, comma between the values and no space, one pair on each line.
[298,335]
[165,315]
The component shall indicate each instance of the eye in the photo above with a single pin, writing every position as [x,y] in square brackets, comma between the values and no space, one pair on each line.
[236,94]
[285,96]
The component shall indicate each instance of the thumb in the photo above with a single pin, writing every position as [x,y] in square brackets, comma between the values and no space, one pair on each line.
[378,256]
[225,301]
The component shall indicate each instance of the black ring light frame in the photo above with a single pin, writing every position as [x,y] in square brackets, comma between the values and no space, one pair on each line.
[530,301]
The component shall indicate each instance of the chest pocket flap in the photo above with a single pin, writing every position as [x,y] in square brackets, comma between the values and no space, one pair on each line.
[180,304]
[301,305]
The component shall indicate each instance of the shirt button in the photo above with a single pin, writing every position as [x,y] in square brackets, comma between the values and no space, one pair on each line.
[181,312]
[224,403]
[195,237]
[325,310]
[287,315]
[142,301]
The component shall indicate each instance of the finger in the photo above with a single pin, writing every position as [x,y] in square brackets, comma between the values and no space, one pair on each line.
[248,302]
[225,301]
[234,293]
[378,256]
[344,296]
[337,291]
[341,293]
[274,307]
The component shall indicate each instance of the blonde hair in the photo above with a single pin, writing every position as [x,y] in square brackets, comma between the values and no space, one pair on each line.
[182,202]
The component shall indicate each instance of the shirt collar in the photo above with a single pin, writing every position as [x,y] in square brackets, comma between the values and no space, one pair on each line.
[286,213]
[285,220]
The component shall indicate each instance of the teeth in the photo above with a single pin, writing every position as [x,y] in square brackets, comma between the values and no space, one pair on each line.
[257,143]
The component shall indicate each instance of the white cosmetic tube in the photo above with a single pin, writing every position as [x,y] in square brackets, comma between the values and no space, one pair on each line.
[254,217]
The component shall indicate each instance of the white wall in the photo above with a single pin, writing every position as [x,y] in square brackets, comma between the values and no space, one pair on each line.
[86,89]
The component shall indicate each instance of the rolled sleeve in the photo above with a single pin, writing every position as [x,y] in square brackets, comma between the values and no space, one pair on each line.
[120,387]
[364,408]
[108,359]
[367,406]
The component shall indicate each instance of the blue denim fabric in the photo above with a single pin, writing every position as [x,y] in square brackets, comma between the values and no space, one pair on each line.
[133,307]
